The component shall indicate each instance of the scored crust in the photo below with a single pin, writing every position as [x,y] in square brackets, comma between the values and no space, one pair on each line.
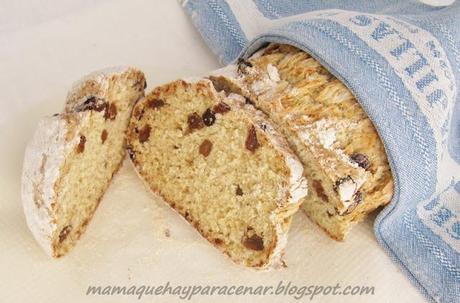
[57,149]
[141,151]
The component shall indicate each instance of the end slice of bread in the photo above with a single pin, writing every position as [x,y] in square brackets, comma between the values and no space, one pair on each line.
[220,164]
[73,155]
[345,162]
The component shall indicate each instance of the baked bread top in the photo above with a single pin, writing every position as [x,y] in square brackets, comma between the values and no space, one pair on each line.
[345,160]
[328,118]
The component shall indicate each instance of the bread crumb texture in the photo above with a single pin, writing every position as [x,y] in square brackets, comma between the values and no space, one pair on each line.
[207,155]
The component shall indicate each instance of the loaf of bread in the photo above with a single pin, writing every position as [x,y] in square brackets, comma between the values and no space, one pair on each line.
[234,154]
[221,165]
[345,162]
[73,155]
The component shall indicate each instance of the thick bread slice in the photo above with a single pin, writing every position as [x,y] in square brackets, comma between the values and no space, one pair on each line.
[221,165]
[345,161]
[72,157]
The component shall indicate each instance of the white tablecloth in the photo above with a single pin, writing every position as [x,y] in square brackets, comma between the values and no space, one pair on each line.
[46,45]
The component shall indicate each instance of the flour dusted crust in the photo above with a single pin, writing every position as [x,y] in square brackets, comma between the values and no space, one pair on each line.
[345,162]
[43,158]
[65,149]
[101,83]
[164,138]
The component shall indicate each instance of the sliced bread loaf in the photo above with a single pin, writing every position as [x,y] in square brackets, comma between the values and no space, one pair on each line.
[73,155]
[220,164]
[345,162]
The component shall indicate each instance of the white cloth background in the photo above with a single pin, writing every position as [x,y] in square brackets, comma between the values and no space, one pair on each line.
[45,46]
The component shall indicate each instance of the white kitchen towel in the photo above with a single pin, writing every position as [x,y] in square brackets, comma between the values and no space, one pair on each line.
[401,59]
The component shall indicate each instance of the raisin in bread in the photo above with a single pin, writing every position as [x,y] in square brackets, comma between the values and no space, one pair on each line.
[73,155]
[345,161]
[221,165]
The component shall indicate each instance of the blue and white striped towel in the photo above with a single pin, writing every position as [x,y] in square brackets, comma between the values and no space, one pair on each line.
[401,59]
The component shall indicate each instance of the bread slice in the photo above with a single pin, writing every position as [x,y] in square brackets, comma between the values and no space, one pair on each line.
[344,159]
[220,164]
[73,155]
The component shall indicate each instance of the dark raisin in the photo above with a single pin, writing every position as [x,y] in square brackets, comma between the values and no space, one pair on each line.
[64,233]
[209,117]
[91,103]
[81,145]
[144,133]
[145,84]
[104,136]
[156,103]
[249,101]
[239,191]
[131,153]
[264,127]
[194,121]
[251,141]
[254,242]
[205,147]
[361,159]
[221,108]
[110,111]
[319,189]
